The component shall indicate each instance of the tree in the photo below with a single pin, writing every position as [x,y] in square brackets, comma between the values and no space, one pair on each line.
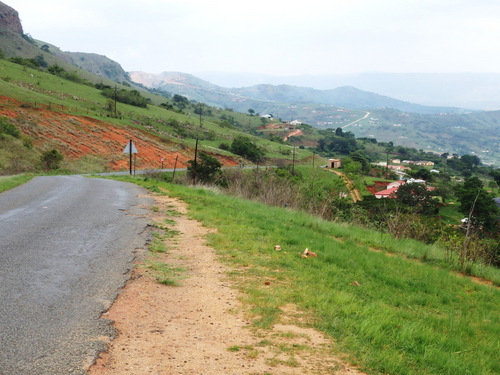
[180,101]
[477,203]
[496,175]
[417,195]
[251,111]
[352,167]
[51,159]
[55,70]
[206,169]
[423,174]
[361,157]
[470,161]
[243,146]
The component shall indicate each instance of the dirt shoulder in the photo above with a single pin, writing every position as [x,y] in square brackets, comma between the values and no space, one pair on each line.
[200,326]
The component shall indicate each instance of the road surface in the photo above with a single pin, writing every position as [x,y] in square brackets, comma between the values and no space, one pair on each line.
[358,120]
[67,244]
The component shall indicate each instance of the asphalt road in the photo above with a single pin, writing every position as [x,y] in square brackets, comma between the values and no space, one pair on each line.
[67,244]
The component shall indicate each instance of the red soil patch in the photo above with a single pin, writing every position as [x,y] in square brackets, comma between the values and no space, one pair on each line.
[79,136]
[294,133]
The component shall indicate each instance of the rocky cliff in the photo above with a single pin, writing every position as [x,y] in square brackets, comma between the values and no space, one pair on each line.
[9,20]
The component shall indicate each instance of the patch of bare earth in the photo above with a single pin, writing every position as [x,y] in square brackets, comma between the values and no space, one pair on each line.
[199,326]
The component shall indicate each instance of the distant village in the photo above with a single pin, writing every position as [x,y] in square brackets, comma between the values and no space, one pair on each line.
[386,189]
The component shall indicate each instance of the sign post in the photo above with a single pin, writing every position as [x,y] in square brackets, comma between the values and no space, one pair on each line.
[130,149]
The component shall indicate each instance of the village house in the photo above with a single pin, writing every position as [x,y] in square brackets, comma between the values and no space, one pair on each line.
[334,163]
[392,188]
[398,168]
[387,193]
[423,163]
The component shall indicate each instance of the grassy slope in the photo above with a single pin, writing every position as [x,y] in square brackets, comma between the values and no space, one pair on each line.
[405,317]
[10,182]
[35,90]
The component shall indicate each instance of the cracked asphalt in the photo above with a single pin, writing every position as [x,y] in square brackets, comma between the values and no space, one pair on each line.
[67,245]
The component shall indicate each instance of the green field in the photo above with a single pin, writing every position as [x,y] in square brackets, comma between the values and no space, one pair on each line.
[391,314]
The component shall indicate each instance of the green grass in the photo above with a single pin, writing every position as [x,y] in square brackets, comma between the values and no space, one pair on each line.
[164,273]
[405,317]
[10,182]
[450,214]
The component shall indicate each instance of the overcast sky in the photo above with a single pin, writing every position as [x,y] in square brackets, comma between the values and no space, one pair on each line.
[275,37]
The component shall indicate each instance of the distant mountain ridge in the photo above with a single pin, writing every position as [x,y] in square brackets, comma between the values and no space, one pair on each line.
[204,91]
[477,91]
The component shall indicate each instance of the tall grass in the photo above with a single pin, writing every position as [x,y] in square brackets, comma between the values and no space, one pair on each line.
[392,315]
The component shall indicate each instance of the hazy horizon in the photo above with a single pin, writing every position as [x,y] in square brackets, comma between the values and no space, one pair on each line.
[267,37]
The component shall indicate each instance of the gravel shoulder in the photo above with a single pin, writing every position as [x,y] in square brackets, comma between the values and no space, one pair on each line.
[200,326]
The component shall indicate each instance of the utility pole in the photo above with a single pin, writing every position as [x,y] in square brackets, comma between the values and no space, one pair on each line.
[175,167]
[195,164]
[387,166]
[200,115]
[116,91]
[130,153]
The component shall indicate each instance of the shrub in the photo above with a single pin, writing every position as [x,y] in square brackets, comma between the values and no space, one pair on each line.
[243,146]
[206,169]
[6,127]
[224,146]
[51,159]
[132,97]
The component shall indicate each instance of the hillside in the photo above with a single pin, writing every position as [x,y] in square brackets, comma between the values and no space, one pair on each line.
[15,43]
[74,118]
[474,133]
[436,129]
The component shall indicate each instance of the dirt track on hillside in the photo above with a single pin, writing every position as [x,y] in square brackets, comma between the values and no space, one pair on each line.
[200,327]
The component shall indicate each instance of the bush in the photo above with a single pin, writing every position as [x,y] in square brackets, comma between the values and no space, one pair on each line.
[205,170]
[51,159]
[31,63]
[132,97]
[224,146]
[243,146]
[6,127]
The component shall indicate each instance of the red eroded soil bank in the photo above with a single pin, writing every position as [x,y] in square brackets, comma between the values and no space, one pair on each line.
[78,136]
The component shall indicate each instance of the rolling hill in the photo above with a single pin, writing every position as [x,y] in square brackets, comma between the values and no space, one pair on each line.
[436,129]
[366,114]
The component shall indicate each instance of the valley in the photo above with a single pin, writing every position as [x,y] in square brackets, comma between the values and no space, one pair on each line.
[434,129]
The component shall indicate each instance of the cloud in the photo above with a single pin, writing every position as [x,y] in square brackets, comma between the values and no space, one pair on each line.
[275,37]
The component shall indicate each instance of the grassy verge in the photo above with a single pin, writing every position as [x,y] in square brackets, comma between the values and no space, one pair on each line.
[10,182]
[391,314]
[162,272]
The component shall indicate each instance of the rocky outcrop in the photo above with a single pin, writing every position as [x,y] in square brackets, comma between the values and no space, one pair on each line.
[9,20]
